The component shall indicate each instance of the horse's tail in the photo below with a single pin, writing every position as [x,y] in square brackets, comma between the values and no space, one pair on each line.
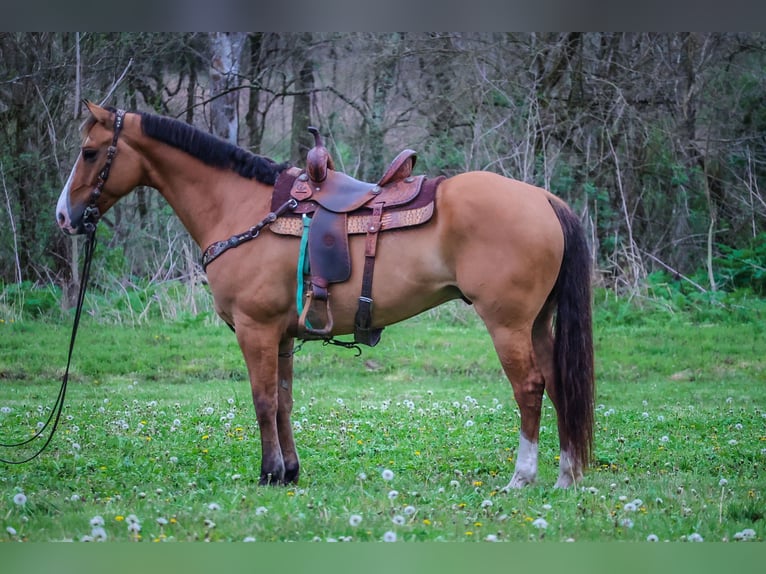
[573,337]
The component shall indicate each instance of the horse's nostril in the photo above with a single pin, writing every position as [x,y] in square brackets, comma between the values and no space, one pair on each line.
[61,218]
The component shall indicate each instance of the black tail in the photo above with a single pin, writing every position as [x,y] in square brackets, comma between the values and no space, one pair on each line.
[573,346]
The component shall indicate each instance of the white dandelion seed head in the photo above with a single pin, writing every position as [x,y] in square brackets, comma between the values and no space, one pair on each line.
[389,536]
[86,538]
[638,502]
[214,506]
[74,498]
[209,410]
[454,483]
[11,530]
[723,482]
[652,538]
[97,521]
[132,519]
[261,510]
[339,401]
[645,415]
[392,494]
[695,537]
[593,490]
[664,438]
[486,503]
[547,506]
[162,521]
[733,441]
[362,476]
[5,410]
[134,527]
[738,426]
[626,522]
[745,535]
[20,499]
[209,523]
[99,534]
[490,538]
[355,520]
[630,507]
[409,510]
[398,519]
[248,539]
[468,423]
[387,474]
[540,523]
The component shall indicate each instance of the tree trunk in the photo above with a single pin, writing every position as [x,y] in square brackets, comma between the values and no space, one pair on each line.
[226,50]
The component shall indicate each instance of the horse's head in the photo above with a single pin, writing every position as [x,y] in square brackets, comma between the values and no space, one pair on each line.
[106,169]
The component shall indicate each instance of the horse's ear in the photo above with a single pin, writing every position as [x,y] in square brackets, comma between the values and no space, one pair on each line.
[100,114]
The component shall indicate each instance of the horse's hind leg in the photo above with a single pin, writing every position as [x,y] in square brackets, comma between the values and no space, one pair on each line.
[284,411]
[517,356]
[570,470]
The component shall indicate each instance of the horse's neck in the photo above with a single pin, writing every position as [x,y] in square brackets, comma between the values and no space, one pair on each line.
[213,204]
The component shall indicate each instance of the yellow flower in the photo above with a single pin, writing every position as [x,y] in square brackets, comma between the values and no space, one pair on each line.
[426,522]
[119,518]
[205,437]
[477,483]
[477,524]
[468,533]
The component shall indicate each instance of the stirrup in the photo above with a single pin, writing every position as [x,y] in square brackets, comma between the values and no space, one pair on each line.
[311,316]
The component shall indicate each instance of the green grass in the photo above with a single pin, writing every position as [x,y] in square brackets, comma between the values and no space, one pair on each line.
[159,424]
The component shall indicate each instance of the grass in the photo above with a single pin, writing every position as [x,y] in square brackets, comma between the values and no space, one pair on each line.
[412,441]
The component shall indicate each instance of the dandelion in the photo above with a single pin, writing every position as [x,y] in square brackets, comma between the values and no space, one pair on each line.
[540,523]
[723,482]
[694,537]
[99,534]
[593,490]
[209,411]
[392,494]
[468,424]
[486,503]
[745,535]
[339,401]
[209,523]
[664,438]
[387,474]
[97,521]
[261,510]
[626,522]
[5,410]
[454,483]
[162,521]
[398,520]
[214,506]
[547,507]
[134,527]
[490,538]
[248,539]
[630,507]
[20,499]
[389,536]
[638,502]
[355,520]
[74,498]
[733,441]
[11,530]
[409,510]
[652,538]
[132,519]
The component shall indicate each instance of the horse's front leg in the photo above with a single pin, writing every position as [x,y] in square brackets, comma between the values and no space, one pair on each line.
[260,348]
[284,411]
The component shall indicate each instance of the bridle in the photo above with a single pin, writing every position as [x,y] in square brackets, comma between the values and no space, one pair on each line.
[91,217]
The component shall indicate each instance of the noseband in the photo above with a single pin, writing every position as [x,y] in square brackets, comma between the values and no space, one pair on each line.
[92,214]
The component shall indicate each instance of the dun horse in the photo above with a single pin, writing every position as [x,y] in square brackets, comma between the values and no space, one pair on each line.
[516,252]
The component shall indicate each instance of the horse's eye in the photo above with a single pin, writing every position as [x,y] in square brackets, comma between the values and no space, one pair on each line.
[89,154]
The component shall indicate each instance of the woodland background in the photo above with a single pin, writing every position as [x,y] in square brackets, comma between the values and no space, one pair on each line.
[657,140]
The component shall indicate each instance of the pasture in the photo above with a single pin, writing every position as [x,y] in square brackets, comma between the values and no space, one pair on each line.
[412,441]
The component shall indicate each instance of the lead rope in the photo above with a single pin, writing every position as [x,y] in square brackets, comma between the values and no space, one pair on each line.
[90,246]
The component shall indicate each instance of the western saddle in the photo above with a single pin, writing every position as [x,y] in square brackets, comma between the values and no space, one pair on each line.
[331,206]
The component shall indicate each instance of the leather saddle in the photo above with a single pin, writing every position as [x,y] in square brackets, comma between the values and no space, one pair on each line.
[338,205]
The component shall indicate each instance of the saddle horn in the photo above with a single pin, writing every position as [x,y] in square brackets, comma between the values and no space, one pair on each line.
[318,159]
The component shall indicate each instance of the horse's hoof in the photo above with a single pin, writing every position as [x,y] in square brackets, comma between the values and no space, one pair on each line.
[269,479]
[291,475]
[518,481]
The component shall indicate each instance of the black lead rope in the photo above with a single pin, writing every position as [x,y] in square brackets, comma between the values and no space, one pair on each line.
[55,415]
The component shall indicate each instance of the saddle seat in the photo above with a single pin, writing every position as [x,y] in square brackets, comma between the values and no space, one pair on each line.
[334,205]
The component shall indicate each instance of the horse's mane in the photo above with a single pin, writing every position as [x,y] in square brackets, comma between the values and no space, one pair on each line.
[211,149]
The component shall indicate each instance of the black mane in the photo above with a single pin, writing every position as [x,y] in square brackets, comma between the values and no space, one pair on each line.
[210,149]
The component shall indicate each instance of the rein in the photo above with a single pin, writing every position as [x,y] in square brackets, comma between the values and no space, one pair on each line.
[91,216]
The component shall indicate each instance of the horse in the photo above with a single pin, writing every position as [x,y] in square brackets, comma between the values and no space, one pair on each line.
[516,252]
